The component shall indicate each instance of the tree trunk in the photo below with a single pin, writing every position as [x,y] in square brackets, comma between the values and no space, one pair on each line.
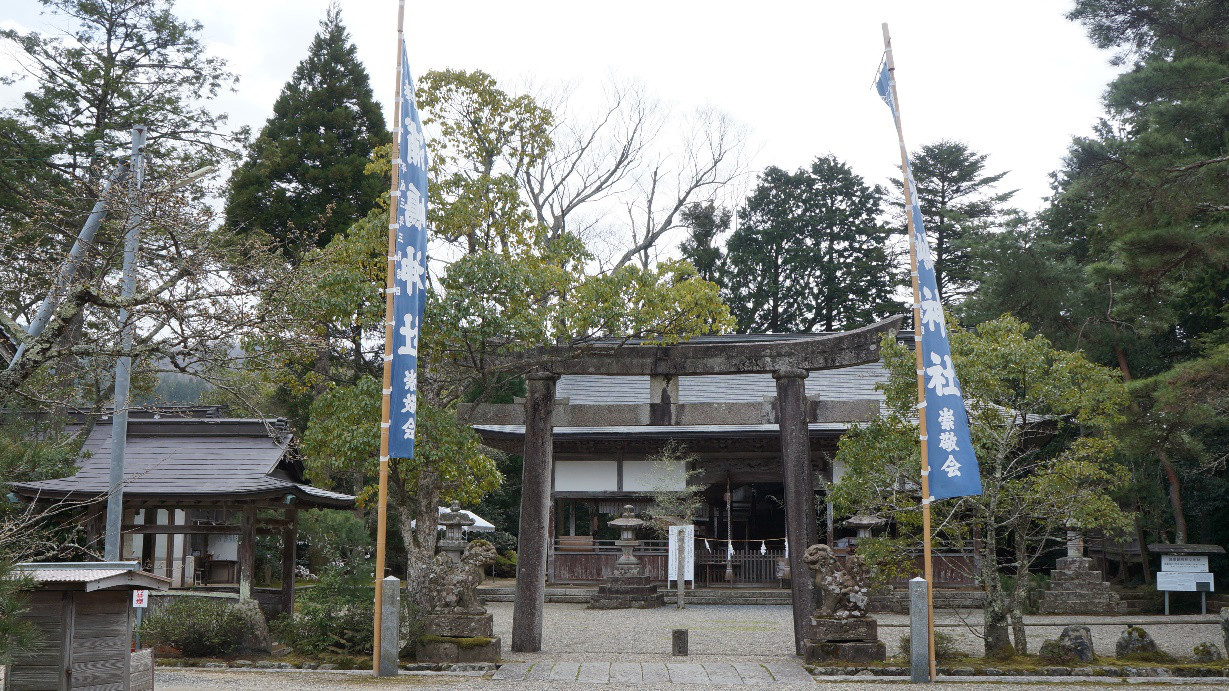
[997,643]
[1171,474]
[423,508]
[1019,592]
[1175,496]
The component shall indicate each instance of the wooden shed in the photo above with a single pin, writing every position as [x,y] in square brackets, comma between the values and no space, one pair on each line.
[83,613]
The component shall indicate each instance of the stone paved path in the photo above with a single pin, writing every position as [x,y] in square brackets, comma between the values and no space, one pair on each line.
[776,674]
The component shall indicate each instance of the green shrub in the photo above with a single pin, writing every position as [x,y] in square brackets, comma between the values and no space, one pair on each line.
[505,565]
[197,626]
[336,616]
[945,646]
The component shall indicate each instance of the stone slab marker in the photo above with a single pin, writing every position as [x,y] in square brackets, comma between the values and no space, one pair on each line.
[390,626]
[797,475]
[534,540]
[919,633]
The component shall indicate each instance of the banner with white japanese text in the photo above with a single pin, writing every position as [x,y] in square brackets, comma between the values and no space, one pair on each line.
[953,463]
[409,288]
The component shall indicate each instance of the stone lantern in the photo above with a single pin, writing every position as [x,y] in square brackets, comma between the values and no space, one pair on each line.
[864,524]
[455,522]
[627,564]
[628,587]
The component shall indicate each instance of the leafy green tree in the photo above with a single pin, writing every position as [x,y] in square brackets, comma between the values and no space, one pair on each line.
[118,64]
[705,222]
[513,286]
[1131,255]
[1042,423]
[959,207]
[810,252]
[305,178]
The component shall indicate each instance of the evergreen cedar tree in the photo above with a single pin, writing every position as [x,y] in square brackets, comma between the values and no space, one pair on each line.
[960,208]
[305,178]
[809,255]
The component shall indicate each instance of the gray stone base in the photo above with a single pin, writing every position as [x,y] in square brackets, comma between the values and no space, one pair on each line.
[858,629]
[1076,588]
[441,649]
[627,592]
[460,625]
[848,651]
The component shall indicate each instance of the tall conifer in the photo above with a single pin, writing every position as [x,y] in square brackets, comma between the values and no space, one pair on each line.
[304,179]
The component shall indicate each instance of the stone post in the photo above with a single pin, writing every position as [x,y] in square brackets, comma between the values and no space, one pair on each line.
[797,475]
[534,540]
[390,626]
[919,633]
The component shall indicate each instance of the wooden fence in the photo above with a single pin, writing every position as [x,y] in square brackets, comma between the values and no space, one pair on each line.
[589,561]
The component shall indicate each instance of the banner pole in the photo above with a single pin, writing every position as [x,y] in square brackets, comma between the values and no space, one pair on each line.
[927,564]
[385,398]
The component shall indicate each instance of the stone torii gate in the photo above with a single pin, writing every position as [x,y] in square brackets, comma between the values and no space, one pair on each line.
[787,360]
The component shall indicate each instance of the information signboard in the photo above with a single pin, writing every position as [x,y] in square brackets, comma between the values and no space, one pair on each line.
[1184,582]
[689,553]
[140,598]
[1184,563]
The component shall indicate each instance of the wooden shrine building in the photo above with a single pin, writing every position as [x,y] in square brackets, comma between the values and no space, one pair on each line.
[762,412]
[197,492]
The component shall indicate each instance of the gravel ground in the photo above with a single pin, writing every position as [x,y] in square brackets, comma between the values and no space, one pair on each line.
[765,632]
[717,632]
[205,680]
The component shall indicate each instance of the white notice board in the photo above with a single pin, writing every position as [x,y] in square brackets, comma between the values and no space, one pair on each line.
[1184,582]
[689,555]
[1184,563]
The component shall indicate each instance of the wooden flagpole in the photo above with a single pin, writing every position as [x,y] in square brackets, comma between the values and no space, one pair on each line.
[385,399]
[927,565]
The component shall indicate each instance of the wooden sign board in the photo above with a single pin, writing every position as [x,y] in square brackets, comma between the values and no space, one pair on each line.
[1184,582]
[1184,563]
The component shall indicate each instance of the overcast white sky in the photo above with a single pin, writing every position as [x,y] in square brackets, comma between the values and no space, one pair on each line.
[1014,80]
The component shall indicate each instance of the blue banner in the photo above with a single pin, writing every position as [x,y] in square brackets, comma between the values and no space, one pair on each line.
[409,288]
[949,449]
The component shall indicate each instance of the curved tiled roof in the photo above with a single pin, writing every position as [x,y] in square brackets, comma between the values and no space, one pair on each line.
[198,458]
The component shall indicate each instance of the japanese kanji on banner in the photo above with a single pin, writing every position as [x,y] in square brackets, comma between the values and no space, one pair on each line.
[953,464]
[409,289]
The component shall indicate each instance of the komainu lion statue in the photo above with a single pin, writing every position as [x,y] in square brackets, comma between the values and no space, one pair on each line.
[842,589]
[453,587]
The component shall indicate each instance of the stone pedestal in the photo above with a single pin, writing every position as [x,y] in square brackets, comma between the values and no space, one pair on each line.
[627,592]
[848,640]
[1076,588]
[458,638]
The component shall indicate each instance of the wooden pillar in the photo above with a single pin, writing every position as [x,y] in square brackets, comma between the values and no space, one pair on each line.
[290,538]
[798,477]
[247,552]
[535,515]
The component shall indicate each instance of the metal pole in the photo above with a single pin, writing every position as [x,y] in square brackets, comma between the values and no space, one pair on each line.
[385,402]
[85,240]
[927,564]
[123,366]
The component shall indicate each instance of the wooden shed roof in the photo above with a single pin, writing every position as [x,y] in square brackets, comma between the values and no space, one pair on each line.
[212,459]
[93,576]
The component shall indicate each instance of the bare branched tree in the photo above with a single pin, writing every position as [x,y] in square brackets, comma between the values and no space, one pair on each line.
[197,295]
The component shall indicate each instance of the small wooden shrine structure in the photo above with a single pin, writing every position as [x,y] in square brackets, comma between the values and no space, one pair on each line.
[197,492]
